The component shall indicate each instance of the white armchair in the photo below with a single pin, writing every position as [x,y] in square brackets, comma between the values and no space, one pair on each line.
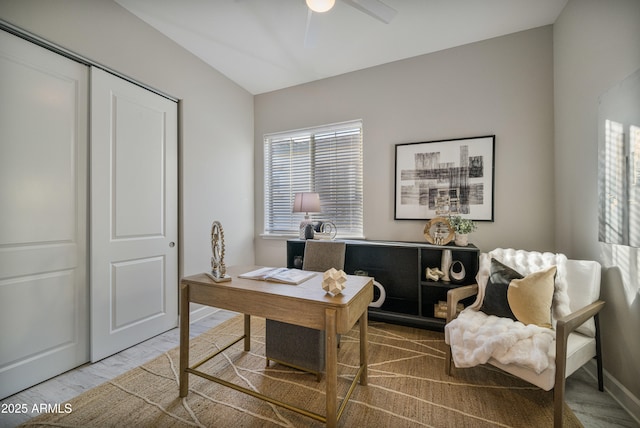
[542,355]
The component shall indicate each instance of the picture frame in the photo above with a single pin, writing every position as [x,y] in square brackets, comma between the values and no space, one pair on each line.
[445,177]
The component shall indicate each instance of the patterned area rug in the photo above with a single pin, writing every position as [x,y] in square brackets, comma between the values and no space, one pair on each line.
[407,388]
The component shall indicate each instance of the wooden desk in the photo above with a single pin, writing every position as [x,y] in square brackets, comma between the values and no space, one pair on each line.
[306,304]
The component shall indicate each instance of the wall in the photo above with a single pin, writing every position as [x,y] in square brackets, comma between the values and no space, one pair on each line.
[502,86]
[216,114]
[596,45]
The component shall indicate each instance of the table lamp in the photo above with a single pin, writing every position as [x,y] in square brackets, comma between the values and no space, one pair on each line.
[306,202]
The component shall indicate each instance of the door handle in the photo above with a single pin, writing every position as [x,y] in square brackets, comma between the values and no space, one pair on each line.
[172,244]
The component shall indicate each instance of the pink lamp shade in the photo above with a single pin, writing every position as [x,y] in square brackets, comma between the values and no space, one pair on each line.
[306,202]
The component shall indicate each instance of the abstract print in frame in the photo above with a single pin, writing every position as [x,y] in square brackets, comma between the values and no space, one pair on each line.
[445,177]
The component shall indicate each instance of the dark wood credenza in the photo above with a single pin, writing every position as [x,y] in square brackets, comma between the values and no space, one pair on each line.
[400,268]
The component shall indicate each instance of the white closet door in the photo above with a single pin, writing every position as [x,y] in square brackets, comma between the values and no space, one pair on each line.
[134,206]
[43,176]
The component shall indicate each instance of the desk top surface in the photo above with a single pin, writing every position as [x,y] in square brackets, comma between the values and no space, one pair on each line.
[304,304]
[309,290]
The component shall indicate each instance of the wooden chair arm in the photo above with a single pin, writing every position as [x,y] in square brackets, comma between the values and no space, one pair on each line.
[455,295]
[564,326]
[567,324]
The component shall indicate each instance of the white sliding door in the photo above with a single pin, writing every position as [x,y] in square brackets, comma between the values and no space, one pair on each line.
[43,211]
[134,224]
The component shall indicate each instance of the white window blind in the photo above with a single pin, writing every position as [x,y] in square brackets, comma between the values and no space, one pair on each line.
[326,160]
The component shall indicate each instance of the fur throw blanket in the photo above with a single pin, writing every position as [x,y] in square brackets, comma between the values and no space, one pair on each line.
[475,337]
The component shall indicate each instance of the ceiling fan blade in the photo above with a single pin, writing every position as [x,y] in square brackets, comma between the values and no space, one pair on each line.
[311,30]
[374,8]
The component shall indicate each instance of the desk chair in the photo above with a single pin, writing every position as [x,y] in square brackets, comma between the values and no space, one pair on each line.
[302,347]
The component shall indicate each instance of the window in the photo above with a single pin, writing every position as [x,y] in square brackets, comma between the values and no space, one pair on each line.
[619,163]
[326,160]
[619,210]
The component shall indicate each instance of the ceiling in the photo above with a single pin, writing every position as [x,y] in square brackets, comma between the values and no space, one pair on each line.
[261,44]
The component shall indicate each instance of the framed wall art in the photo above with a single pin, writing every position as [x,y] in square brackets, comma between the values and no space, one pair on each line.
[445,177]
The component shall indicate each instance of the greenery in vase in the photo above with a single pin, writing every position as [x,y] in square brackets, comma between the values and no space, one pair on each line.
[462,225]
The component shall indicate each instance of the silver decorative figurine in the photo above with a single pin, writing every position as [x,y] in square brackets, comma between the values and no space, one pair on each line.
[218,268]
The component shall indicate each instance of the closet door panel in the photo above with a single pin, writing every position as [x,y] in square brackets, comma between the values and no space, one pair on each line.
[43,211]
[134,223]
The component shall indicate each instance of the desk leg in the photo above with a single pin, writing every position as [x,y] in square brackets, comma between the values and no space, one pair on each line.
[247,332]
[184,339]
[364,347]
[331,362]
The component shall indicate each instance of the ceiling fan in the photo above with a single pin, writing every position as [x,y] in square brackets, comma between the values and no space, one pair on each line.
[374,8]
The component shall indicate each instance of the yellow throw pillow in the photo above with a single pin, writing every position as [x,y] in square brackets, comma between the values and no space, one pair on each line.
[530,298]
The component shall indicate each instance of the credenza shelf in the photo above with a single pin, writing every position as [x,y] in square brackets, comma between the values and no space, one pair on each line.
[400,268]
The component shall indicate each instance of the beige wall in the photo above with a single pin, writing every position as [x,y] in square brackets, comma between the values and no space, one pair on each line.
[502,86]
[597,45]
[216,120]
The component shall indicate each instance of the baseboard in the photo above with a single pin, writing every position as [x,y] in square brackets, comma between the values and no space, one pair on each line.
[622,395]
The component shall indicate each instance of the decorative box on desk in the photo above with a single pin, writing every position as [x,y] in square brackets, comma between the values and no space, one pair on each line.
[412,298]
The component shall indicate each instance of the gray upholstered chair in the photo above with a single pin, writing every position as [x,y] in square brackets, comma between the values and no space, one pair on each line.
[301,347]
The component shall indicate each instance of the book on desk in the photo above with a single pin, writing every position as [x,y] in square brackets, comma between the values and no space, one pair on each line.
[282,275]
